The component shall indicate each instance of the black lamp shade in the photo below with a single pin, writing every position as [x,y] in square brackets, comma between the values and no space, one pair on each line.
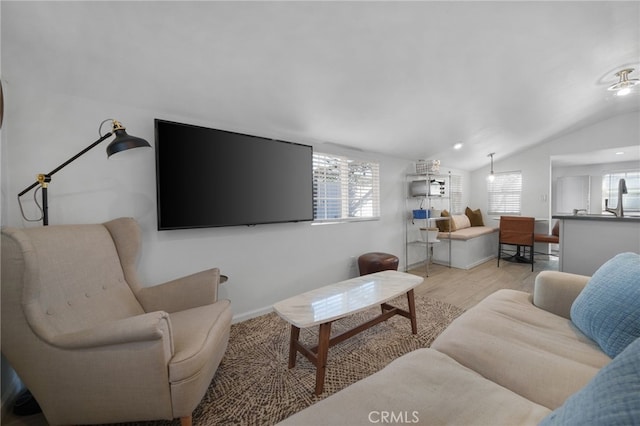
[123,142]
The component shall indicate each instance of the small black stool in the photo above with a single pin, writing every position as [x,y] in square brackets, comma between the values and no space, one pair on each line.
[369,263]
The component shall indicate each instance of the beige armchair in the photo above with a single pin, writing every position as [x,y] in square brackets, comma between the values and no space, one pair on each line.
[90,342]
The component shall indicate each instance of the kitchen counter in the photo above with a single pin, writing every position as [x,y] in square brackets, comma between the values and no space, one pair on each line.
[606,217]
[588,241]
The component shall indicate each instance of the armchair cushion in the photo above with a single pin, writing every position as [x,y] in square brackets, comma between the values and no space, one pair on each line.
[192,336]
[608,309]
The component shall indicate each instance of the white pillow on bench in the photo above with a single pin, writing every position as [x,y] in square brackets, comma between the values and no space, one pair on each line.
[460,221]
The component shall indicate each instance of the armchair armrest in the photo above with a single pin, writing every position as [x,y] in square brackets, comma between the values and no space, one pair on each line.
[555,291]
[141,328]
[188,292]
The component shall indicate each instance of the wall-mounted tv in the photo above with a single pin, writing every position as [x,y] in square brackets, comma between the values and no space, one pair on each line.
[210,178]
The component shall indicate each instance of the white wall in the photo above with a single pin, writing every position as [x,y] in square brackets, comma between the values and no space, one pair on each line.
[535,163]
[265,263]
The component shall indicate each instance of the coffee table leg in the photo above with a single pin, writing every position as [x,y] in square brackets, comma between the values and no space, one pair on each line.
[323,350]
[412,311]
[293,351]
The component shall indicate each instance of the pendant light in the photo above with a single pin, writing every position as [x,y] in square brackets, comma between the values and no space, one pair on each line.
[491,176]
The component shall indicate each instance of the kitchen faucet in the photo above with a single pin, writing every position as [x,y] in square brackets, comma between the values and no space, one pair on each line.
[622,189]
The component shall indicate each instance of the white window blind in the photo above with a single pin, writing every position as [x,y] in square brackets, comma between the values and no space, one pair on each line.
[631,200]
[505,193]
[455,193]
[344,188]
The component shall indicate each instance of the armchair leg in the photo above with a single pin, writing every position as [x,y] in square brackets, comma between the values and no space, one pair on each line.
[185,421]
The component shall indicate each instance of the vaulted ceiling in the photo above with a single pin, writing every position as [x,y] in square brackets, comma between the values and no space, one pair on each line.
[408,79]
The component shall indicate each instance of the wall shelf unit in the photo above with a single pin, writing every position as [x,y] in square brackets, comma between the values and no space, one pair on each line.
[427,195]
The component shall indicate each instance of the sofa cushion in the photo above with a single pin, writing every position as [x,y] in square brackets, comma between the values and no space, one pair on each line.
[475,216]
[532,352]
[424,387]
[611,398]
[608,309]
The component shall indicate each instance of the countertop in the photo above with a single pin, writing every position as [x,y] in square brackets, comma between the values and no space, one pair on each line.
[600,217]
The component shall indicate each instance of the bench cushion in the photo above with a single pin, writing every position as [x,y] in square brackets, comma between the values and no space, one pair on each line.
[468,233]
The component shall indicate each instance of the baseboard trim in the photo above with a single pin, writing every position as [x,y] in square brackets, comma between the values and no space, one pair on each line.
[251,314]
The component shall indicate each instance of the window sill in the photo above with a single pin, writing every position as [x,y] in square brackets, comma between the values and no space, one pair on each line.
[341,221]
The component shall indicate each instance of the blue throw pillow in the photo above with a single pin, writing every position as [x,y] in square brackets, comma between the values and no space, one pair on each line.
[612,397]
[608,309]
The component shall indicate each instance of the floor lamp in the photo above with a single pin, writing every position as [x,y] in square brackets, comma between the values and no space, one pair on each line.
[121,142]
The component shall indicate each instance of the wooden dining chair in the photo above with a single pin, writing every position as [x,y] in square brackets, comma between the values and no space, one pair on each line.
[517,231]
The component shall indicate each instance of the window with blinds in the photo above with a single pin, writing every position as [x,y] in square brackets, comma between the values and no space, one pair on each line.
[345,189]
[505,194]
[455,192]
[631,200]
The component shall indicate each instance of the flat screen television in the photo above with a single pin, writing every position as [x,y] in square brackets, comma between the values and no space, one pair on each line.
[210,178]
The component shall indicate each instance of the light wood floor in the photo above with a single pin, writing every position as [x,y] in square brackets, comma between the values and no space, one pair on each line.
[462,288]
[465,288]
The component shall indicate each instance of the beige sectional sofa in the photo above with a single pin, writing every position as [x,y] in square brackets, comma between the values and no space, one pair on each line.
[510,360]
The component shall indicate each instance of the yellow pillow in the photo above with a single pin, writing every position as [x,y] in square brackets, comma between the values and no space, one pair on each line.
[475,217]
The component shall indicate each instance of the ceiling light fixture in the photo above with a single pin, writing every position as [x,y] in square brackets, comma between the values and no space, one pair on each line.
[457,146]
[624,86]
[491,177]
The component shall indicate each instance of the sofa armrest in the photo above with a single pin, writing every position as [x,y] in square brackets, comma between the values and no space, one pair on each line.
[555,291]
[188,292]
[141,328]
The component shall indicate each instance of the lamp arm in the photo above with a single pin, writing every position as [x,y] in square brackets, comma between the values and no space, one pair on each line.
[47,177]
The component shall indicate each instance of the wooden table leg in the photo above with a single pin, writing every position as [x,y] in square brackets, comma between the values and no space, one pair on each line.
[323,350]
[293,351]
[412,311]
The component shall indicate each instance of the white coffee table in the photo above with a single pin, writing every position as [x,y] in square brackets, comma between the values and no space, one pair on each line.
[326,304]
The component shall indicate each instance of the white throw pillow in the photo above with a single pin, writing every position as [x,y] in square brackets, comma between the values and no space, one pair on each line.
[461,221]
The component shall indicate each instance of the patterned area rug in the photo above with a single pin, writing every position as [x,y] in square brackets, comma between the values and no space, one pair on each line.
[253,385]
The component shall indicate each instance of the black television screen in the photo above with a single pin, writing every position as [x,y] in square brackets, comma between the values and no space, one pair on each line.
[208,178]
